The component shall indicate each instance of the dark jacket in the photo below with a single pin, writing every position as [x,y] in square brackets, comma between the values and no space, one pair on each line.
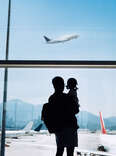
[62,110]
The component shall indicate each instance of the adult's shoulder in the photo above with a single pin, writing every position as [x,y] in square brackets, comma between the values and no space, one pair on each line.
[51,97]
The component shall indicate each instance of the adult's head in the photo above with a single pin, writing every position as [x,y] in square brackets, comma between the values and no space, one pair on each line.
[58,84]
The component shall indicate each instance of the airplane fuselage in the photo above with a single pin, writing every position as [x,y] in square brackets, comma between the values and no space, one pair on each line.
[61,40]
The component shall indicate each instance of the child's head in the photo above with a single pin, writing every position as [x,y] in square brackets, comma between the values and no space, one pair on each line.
[71,83]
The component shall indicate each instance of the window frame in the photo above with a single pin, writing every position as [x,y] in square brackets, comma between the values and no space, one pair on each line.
[56,64]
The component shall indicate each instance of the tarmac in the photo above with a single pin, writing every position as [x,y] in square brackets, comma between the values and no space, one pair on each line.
[44,144]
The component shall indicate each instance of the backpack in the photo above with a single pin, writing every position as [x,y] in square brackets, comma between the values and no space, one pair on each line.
[46,116]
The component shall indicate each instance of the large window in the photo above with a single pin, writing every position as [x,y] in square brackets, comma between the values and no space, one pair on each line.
[31,88]
[94,21]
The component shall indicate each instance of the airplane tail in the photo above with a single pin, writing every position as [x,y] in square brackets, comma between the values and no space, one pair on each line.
[28,127]
[102,124]
[39,127]
[46,38]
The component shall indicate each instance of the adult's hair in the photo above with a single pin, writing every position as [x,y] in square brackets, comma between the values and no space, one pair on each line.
[58,83]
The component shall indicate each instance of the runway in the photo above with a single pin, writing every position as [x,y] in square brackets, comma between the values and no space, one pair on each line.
[44,144]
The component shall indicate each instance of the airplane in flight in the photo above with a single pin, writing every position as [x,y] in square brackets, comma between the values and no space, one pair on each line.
[108,140]
[18,133]
[61,39]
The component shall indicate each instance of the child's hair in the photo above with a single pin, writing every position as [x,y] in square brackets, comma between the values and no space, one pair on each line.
[71,83]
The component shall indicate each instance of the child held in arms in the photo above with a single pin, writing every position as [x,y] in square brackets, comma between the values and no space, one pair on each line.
[72,86]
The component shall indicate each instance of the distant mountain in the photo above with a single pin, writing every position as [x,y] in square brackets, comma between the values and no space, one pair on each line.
[19,113]
[88,120]
[110,123]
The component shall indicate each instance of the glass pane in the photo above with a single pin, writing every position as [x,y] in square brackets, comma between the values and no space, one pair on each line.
[94,21]
[29,89]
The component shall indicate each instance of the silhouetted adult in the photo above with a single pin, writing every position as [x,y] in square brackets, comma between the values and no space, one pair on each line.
[63,121]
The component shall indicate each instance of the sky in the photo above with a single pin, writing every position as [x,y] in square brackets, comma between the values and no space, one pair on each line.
[93,20]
